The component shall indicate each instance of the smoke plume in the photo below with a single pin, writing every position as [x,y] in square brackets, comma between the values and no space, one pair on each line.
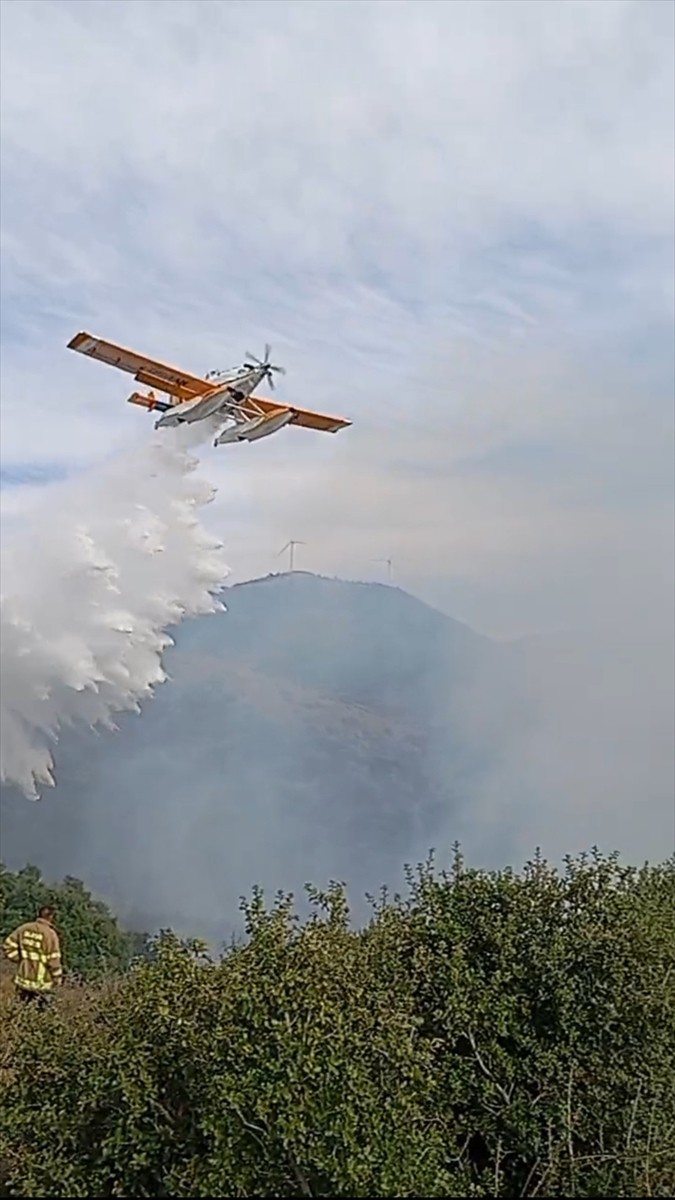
[89,591]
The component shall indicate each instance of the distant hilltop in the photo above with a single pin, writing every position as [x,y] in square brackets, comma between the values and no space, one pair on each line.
[306,731]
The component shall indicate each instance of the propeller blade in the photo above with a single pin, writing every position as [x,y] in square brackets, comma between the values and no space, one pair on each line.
[253,363]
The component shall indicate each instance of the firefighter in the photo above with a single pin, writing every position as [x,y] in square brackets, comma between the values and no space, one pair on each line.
[36,948]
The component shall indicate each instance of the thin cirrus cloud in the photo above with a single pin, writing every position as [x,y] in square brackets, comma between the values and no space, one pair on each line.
[453,222]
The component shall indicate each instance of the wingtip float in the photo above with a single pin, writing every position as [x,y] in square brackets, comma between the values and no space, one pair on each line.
[220,394]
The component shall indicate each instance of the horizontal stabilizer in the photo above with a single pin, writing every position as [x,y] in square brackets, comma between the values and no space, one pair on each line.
[149,402]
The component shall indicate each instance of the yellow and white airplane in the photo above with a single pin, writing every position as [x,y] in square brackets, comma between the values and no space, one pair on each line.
[220,394]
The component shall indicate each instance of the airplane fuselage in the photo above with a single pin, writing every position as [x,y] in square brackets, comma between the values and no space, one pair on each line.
[228,392]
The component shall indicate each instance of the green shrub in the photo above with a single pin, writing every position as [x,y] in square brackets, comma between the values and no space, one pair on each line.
[490,1035]
[92,941]
[549,1001]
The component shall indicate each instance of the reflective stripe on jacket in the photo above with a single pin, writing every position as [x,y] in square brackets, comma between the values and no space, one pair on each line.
[35,947]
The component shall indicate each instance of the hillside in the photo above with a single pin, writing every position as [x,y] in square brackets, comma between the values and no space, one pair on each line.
[306,732]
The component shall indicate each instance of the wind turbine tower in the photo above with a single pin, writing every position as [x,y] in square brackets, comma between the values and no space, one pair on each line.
[290,546]
[390,566]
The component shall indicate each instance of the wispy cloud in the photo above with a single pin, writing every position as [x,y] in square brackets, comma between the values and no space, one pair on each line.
[20,474]
[454,222]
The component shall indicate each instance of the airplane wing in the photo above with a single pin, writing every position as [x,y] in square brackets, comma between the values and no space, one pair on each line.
[303,416]
[149,371]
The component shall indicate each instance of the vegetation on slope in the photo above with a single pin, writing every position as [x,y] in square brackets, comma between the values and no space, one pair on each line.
[490,1034]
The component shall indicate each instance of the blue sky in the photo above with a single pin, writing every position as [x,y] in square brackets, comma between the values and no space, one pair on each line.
[454,222]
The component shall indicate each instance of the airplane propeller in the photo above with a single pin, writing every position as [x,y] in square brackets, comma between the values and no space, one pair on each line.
[269,367]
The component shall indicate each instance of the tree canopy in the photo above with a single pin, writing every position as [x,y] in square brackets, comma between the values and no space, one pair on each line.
[93,942]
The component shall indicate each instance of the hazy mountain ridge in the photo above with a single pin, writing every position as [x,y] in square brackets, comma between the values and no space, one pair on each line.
[324,729]
[298,735]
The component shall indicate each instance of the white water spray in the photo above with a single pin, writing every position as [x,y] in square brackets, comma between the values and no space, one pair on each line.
[89,591]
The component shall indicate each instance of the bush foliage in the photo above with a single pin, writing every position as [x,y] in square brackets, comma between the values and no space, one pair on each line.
[489,1034]
[93,942]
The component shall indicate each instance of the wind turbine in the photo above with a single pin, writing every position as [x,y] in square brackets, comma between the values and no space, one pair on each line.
[290,546]
[390,566]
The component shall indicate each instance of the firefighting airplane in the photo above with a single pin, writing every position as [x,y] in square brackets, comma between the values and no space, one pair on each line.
[220,394]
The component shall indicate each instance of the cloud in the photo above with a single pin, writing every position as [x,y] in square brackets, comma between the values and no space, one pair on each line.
[440,215]
[434,211]
[454,222]
[326,174]
[533,487]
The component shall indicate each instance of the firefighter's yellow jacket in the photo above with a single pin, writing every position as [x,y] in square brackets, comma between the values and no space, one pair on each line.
[35,947]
